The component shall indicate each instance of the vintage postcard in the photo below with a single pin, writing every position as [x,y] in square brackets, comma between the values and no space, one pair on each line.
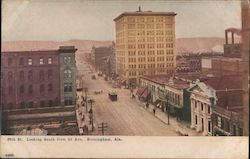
[125,79]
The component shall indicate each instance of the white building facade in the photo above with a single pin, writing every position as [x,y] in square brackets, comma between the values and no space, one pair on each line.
[202,100]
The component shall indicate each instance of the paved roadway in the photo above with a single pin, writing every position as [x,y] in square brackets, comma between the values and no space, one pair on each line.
[125,116]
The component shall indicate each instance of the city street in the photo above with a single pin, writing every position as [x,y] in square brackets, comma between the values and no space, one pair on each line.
[125,116]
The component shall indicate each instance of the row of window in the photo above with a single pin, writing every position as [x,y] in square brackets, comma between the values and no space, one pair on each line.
[30,75]
[42,88]
[31,104]
[30,89]
[150,46]
[202,106]
[29,61]
[41,75]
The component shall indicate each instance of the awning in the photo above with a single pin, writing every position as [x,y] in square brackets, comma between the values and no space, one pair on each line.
[145,94]
[123,81]
[140,91]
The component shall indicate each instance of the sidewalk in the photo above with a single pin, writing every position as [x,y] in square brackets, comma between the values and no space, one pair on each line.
[181,127]
[83,118]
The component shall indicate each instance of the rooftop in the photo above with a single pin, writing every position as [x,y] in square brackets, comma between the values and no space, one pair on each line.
[231,100]
[145,13]
[225,82]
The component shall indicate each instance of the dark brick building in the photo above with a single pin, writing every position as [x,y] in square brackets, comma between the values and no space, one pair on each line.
[32,79]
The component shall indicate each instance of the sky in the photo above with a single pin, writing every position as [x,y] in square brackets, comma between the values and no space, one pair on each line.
[60,20]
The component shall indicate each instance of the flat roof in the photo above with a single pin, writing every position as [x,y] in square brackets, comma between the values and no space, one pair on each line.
[145,13]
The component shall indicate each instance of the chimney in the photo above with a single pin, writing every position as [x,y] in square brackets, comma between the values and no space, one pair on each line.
[139,9]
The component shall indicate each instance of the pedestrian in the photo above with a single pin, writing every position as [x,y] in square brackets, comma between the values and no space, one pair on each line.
[154,110]
[147,105]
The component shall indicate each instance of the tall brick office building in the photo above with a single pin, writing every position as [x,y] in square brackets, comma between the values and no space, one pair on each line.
[31,79]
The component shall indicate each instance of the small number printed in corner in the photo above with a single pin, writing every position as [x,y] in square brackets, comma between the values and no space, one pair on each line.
[10,155]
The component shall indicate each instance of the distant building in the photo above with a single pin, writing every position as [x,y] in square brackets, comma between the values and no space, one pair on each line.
[32,79]
[192,62]
[103,58]
[145,44]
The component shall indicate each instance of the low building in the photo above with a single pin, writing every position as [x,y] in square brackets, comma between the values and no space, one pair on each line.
[205,96]
[166,92]
[227,114]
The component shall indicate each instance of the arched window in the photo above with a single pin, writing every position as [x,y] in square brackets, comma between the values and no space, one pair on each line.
[67,73]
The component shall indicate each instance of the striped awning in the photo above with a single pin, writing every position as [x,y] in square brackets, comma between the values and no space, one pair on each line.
[140,91]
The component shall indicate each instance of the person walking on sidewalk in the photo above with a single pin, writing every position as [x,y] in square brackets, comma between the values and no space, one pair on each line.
[154,110]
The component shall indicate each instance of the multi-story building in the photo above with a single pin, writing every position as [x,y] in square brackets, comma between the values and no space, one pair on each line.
[103,59]
[32,79]
[145,44]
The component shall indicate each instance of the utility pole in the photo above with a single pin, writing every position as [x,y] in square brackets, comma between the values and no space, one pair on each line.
[103,127]
[86,99]
[168,109]
[91,113]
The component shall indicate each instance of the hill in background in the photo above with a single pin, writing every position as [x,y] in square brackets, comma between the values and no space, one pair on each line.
[183,45]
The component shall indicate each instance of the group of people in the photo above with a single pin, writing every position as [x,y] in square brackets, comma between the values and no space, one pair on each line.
[98,92]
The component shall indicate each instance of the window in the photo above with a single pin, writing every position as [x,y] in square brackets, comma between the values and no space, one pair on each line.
[42,103]
[67,73]
[49,60]
[30,89]
[67,59]
[10,76]
[68,101]
[41,88]
[50,87]
[208,109]
[30,75]
[41,61]
[219,121]
[227,125]
[234,130]
[22,105]
[50,73]
[67,87]
[50,103]
[21,89]
[29,61]
[21,75]
[9,61]
[10,89]
[21,61]
[41,75]
[209,126]
[196,120]
[30,105]
[201,106]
